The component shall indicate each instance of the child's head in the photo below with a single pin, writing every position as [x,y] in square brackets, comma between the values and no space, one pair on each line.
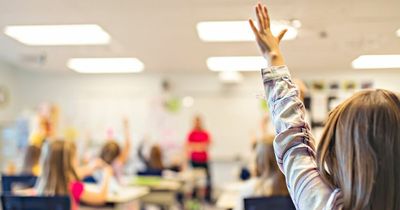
[110,152]
[266,166]
[58,168]
[155,159]
[359,149]
[31,160]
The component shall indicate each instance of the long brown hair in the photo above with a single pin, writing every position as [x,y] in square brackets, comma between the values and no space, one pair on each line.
[155,160]
[31,160]
[267,168]
[57,168]
[359,150]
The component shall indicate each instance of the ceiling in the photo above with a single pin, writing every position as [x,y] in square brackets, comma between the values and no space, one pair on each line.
[162,33]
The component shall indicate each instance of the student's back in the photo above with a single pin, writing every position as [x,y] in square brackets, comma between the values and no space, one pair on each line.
[361,146]
[154,162]
[116,156]
[59,177]
[355,164]
[268,180]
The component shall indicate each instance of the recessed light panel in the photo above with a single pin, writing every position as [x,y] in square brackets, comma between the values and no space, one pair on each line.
[105,65]
[239,31]
[237,63]
[376,62]
[53,35]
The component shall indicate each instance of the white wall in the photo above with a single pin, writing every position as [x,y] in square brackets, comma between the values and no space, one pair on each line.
[232,113]
[7,81]
[93,103]
[7,111]
[382,78]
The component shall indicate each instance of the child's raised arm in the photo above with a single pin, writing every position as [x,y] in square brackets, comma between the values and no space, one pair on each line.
[294,144]
[127,143]
[100,197]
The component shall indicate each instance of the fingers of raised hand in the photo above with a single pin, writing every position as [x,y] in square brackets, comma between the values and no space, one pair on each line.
[266,17]
[255,30]
[282,34]
[260,17]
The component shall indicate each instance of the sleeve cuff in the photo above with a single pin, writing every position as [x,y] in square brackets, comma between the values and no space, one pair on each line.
[274,72]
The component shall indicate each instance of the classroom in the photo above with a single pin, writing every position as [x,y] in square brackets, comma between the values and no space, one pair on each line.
[199,105]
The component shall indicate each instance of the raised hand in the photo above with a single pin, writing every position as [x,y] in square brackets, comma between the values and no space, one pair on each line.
[125,122]
[268,43]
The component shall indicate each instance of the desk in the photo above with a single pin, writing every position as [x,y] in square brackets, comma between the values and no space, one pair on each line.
[230,195]
[162,191]
[185,175]
[190,179]
[154,183]
[228,200]
[123,195]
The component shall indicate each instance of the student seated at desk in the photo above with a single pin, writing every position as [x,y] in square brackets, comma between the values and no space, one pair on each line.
[153,164]
[268,180]
[31,161]
[59,176]
[264,130]
[112,154]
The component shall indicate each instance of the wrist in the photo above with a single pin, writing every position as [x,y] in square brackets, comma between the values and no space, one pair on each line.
[276,58]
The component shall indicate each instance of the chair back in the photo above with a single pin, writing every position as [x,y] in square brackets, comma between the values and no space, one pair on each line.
[26,181]
[149,172]
[14,202]
[89,179]
[270,203]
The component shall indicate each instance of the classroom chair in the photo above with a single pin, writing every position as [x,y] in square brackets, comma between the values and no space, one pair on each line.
[244,174]
[270,203]
[89,179]
[13,202]
[25,181]
[150,172]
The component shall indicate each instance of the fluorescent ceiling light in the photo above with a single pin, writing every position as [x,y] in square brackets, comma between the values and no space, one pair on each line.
[296,23]
[230,76]
[236,31]
[188,101]
[240,63]
[105,65]
[398,32]
[376,62]
[51,35]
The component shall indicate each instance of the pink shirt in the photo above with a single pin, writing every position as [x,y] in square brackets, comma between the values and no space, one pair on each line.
[76,189]
[197,136]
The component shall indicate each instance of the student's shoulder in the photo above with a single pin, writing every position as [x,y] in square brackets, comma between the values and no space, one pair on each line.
[335,201]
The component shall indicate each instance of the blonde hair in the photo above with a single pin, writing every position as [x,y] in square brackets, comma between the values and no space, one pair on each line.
[267,169]
[359,149]
[57,168]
